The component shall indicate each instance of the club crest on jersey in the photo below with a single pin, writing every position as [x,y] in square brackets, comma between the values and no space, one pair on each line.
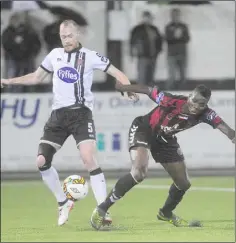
[159,98]
[211,116]
[68,75]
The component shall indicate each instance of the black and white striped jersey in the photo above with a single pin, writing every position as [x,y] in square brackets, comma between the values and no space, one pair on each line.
[73,75]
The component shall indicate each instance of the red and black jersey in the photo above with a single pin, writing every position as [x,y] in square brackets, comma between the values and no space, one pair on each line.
[168,119]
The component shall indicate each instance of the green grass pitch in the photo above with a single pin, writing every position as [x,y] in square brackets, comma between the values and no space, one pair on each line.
[29,214]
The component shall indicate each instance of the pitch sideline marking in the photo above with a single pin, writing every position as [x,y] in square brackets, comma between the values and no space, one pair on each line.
[160,187]
[152,187]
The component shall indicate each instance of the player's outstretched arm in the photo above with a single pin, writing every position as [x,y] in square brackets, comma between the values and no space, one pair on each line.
[228,131]
[122,79]
[30,79]
[136,88]
[118,75]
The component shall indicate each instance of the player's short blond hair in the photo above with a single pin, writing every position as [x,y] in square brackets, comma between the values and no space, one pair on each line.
[68,22]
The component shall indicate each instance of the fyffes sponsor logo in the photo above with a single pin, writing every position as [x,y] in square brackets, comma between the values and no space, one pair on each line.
[68,75]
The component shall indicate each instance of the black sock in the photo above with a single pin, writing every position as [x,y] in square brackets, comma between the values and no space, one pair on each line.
[123,185]
[62,203]
[96,172]
[174,198]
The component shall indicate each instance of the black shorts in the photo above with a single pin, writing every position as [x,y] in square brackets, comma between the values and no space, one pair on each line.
[139,134]
[165,150]
[65,122]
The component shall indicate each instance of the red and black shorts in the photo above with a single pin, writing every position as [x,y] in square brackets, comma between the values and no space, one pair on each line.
[165,150]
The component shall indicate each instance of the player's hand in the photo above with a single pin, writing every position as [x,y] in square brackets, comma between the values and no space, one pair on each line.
[133,96]
[118,87]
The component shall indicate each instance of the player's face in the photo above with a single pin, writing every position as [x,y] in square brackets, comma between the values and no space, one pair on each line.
[69,37]
[196,103]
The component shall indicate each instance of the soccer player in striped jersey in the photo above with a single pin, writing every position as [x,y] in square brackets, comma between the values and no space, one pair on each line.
[156,132]
[72,68]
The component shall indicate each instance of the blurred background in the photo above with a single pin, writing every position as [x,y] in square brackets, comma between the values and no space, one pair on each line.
[174,44]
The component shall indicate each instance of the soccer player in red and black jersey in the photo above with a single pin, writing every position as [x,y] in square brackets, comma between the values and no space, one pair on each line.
[156,132]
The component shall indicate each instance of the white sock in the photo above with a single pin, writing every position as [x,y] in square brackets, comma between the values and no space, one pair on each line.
[98,184]
[51,179]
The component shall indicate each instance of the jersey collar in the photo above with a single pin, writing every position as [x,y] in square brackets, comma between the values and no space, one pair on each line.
[76,49]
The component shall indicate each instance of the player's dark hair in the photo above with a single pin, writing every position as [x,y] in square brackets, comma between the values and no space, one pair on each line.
[204,91]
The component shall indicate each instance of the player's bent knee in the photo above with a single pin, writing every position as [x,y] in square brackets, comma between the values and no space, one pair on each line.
[139,176]
[187,185]
[45,155]
[184,185]
[139,173]
[40,161]
[140,163]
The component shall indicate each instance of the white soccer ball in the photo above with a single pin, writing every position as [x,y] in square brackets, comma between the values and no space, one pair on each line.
[75,187]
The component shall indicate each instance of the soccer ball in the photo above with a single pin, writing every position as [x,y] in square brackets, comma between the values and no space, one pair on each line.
[75,187]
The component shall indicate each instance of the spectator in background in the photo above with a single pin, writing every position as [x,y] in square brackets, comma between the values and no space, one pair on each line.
[21,45]
[50,34]
[177,38]
[146,44]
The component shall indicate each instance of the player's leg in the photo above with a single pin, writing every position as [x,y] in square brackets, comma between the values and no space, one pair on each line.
[52,140]
[85,136]
[139,157]
[170,156]
[181,183]
[97,179]
[139,150]
[49,174]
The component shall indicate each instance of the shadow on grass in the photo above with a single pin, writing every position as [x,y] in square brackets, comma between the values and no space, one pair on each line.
[228,225]
[219,221]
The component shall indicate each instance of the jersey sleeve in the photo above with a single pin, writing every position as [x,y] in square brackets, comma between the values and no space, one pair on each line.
[159,96]
[47,63]
[164,98]
[210,117]
[100,62]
